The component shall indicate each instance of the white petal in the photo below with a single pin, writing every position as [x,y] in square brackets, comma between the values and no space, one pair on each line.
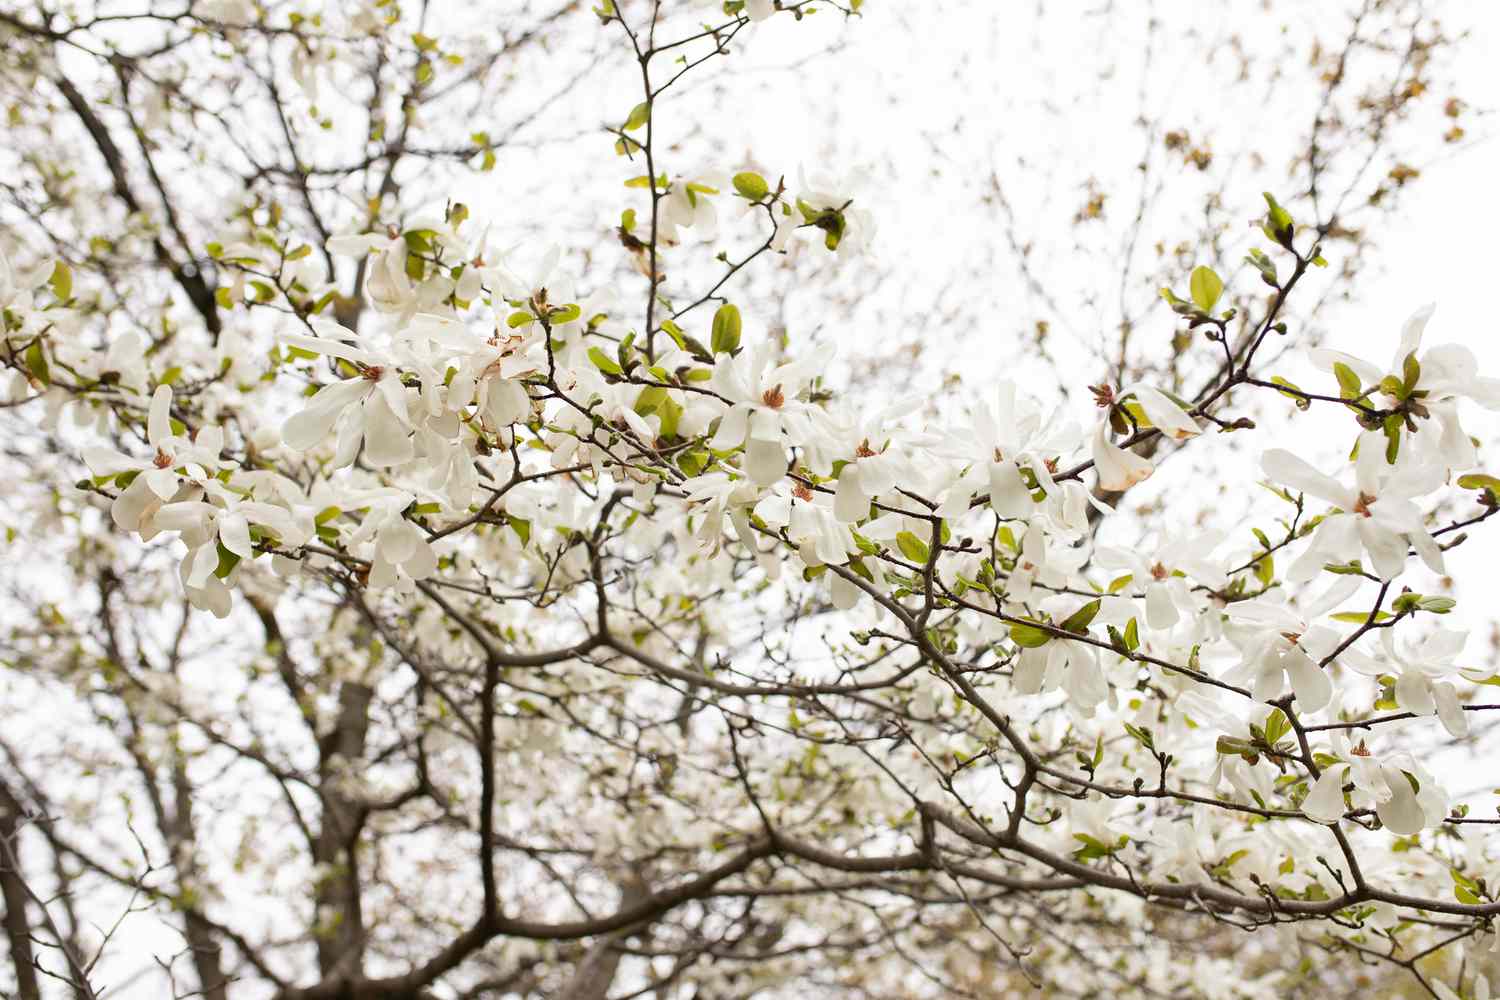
[108,462]
[732,428]
[1449,710]
[387,440]
[1309,681]
[159,420]
[163,482]
[1160,611]
[1283,467]
[1008,494]
[130,506]
[1325,803]
[307,429]
[765,461]
[1387,549]
[234,532]
[1400,813]
[849,501]
[845,594]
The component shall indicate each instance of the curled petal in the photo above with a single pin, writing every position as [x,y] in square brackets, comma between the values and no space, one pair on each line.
[1118,469]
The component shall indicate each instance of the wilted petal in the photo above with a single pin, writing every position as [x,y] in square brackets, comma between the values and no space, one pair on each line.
[1118,469]
[1164,414]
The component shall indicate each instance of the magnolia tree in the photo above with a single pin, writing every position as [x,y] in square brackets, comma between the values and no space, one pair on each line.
[504,631]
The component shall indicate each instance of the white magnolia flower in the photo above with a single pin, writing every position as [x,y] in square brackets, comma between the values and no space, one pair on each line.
[1072,667]
[809,522]
[1404,795]
[1418,668]
[689,205]
[765,416]
[1375,515]
[1446,373]
[883,457]
[375,401]
[401,552]
[226,521]
[829,205]
[177,459]
[1003,438]
[1162,577]
[1281,645]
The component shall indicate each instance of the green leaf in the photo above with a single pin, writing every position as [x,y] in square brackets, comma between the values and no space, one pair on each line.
[1301,401]
[1479,481]
[1349,387]
[1265,570]
[36,363]
[913,547]
[726,329]
[1359,617]
[1078,621]
[1179,306]
[227,561]
[61,281]
[604,362]
[1392,430]
[1206,287]
[1411,372]
[639,115]
[751,185]
[1276,726]
[521,527]
[1028,636]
